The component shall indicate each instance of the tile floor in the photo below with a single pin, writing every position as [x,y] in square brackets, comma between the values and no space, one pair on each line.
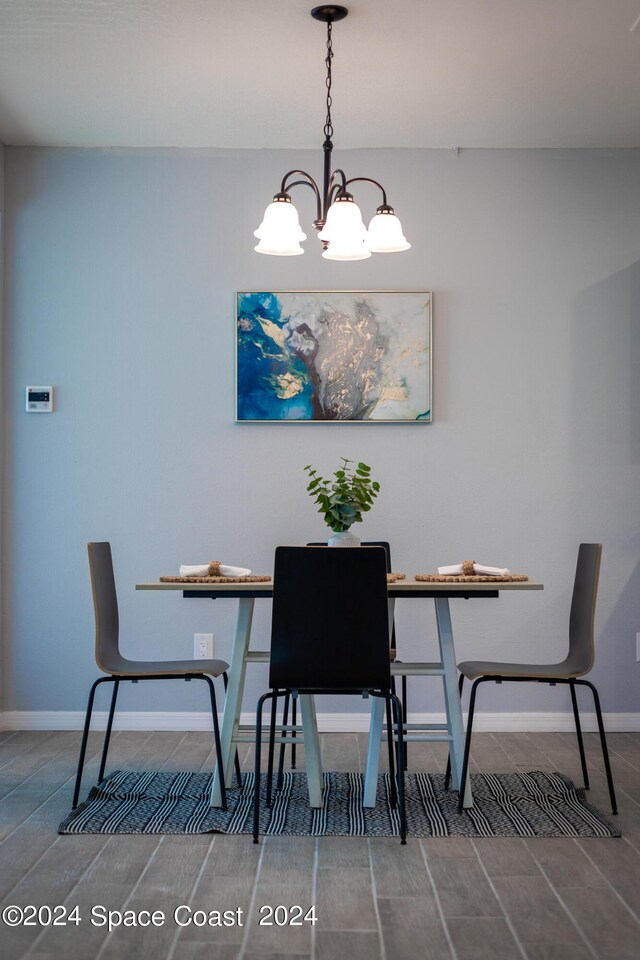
[503,899]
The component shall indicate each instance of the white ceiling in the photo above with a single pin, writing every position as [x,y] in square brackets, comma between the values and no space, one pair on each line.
[250,73]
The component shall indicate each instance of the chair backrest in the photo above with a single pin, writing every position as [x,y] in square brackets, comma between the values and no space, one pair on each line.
[105,606]
[583,609]
[330,627]
[387,549]
[365,543]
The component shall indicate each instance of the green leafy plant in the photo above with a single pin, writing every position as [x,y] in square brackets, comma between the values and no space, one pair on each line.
[346,497]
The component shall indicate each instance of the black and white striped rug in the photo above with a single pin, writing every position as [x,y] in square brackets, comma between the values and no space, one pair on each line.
[505,805]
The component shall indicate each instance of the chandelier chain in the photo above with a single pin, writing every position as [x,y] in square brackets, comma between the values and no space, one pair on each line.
[328,125]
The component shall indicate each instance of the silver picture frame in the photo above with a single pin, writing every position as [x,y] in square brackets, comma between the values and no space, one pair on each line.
[334,356]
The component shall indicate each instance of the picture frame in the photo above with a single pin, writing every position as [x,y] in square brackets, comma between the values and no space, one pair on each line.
[339,356]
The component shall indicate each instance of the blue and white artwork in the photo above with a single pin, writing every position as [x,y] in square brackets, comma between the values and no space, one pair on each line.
[323,357]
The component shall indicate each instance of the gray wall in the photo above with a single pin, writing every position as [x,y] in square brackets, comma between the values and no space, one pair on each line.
[120,279]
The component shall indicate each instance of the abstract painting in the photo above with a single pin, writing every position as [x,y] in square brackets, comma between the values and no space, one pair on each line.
[315,356]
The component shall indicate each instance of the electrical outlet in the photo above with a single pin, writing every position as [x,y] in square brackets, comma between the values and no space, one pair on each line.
[638,646]
[203,646]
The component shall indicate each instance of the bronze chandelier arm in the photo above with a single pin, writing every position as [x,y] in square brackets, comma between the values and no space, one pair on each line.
[307,182]
[335,189]
[374,182]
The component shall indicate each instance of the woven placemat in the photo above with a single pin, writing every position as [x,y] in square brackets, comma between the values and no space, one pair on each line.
[439,578]
[252,579]
[391,578]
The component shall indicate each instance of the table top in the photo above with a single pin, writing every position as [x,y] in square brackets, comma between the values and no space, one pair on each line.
[401,588]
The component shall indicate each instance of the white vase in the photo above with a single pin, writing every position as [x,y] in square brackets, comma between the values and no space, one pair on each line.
[343,539]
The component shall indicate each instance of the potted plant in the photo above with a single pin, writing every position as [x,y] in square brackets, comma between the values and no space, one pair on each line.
[343,498]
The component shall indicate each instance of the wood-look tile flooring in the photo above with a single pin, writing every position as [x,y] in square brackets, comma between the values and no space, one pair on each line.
[502,899]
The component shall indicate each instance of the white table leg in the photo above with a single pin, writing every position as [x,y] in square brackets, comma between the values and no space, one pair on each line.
[312,753]
[233,699]
[373,752]
[451,696]
[375,732]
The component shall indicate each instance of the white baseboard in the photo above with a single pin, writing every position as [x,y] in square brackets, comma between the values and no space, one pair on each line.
[327,722]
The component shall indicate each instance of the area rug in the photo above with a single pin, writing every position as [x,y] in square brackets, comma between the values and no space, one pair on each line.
[505,805]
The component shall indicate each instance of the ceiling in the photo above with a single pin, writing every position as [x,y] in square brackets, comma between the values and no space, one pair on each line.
[250,73]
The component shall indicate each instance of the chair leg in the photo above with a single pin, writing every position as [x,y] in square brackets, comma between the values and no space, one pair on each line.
[283,746]
[400,768]
[272,745]
[576,715]
[603,741]
[392,773]
[405,715]
[107,736]
[216,737]
[258,751]
[236,766]
[85,737]
[447,776]
[236,760]
[467,743]
[294,720]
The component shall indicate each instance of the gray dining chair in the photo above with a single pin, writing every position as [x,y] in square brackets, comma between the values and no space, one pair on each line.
[110,660]
[578,662]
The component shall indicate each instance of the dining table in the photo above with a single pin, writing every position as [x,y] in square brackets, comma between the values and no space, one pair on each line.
[452,731]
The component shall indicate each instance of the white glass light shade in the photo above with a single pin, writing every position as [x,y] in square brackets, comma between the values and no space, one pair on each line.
[273,250]
[345,232]
[336,251]
[385,234]
[280,232]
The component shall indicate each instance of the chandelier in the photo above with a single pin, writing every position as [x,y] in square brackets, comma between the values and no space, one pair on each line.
[338,218]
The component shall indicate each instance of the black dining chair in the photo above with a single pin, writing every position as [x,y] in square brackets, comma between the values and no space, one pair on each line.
[578,662]
[330,635]
[393,654]
[110,660]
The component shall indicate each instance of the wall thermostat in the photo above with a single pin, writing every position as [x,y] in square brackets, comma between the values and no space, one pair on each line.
[39,399]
